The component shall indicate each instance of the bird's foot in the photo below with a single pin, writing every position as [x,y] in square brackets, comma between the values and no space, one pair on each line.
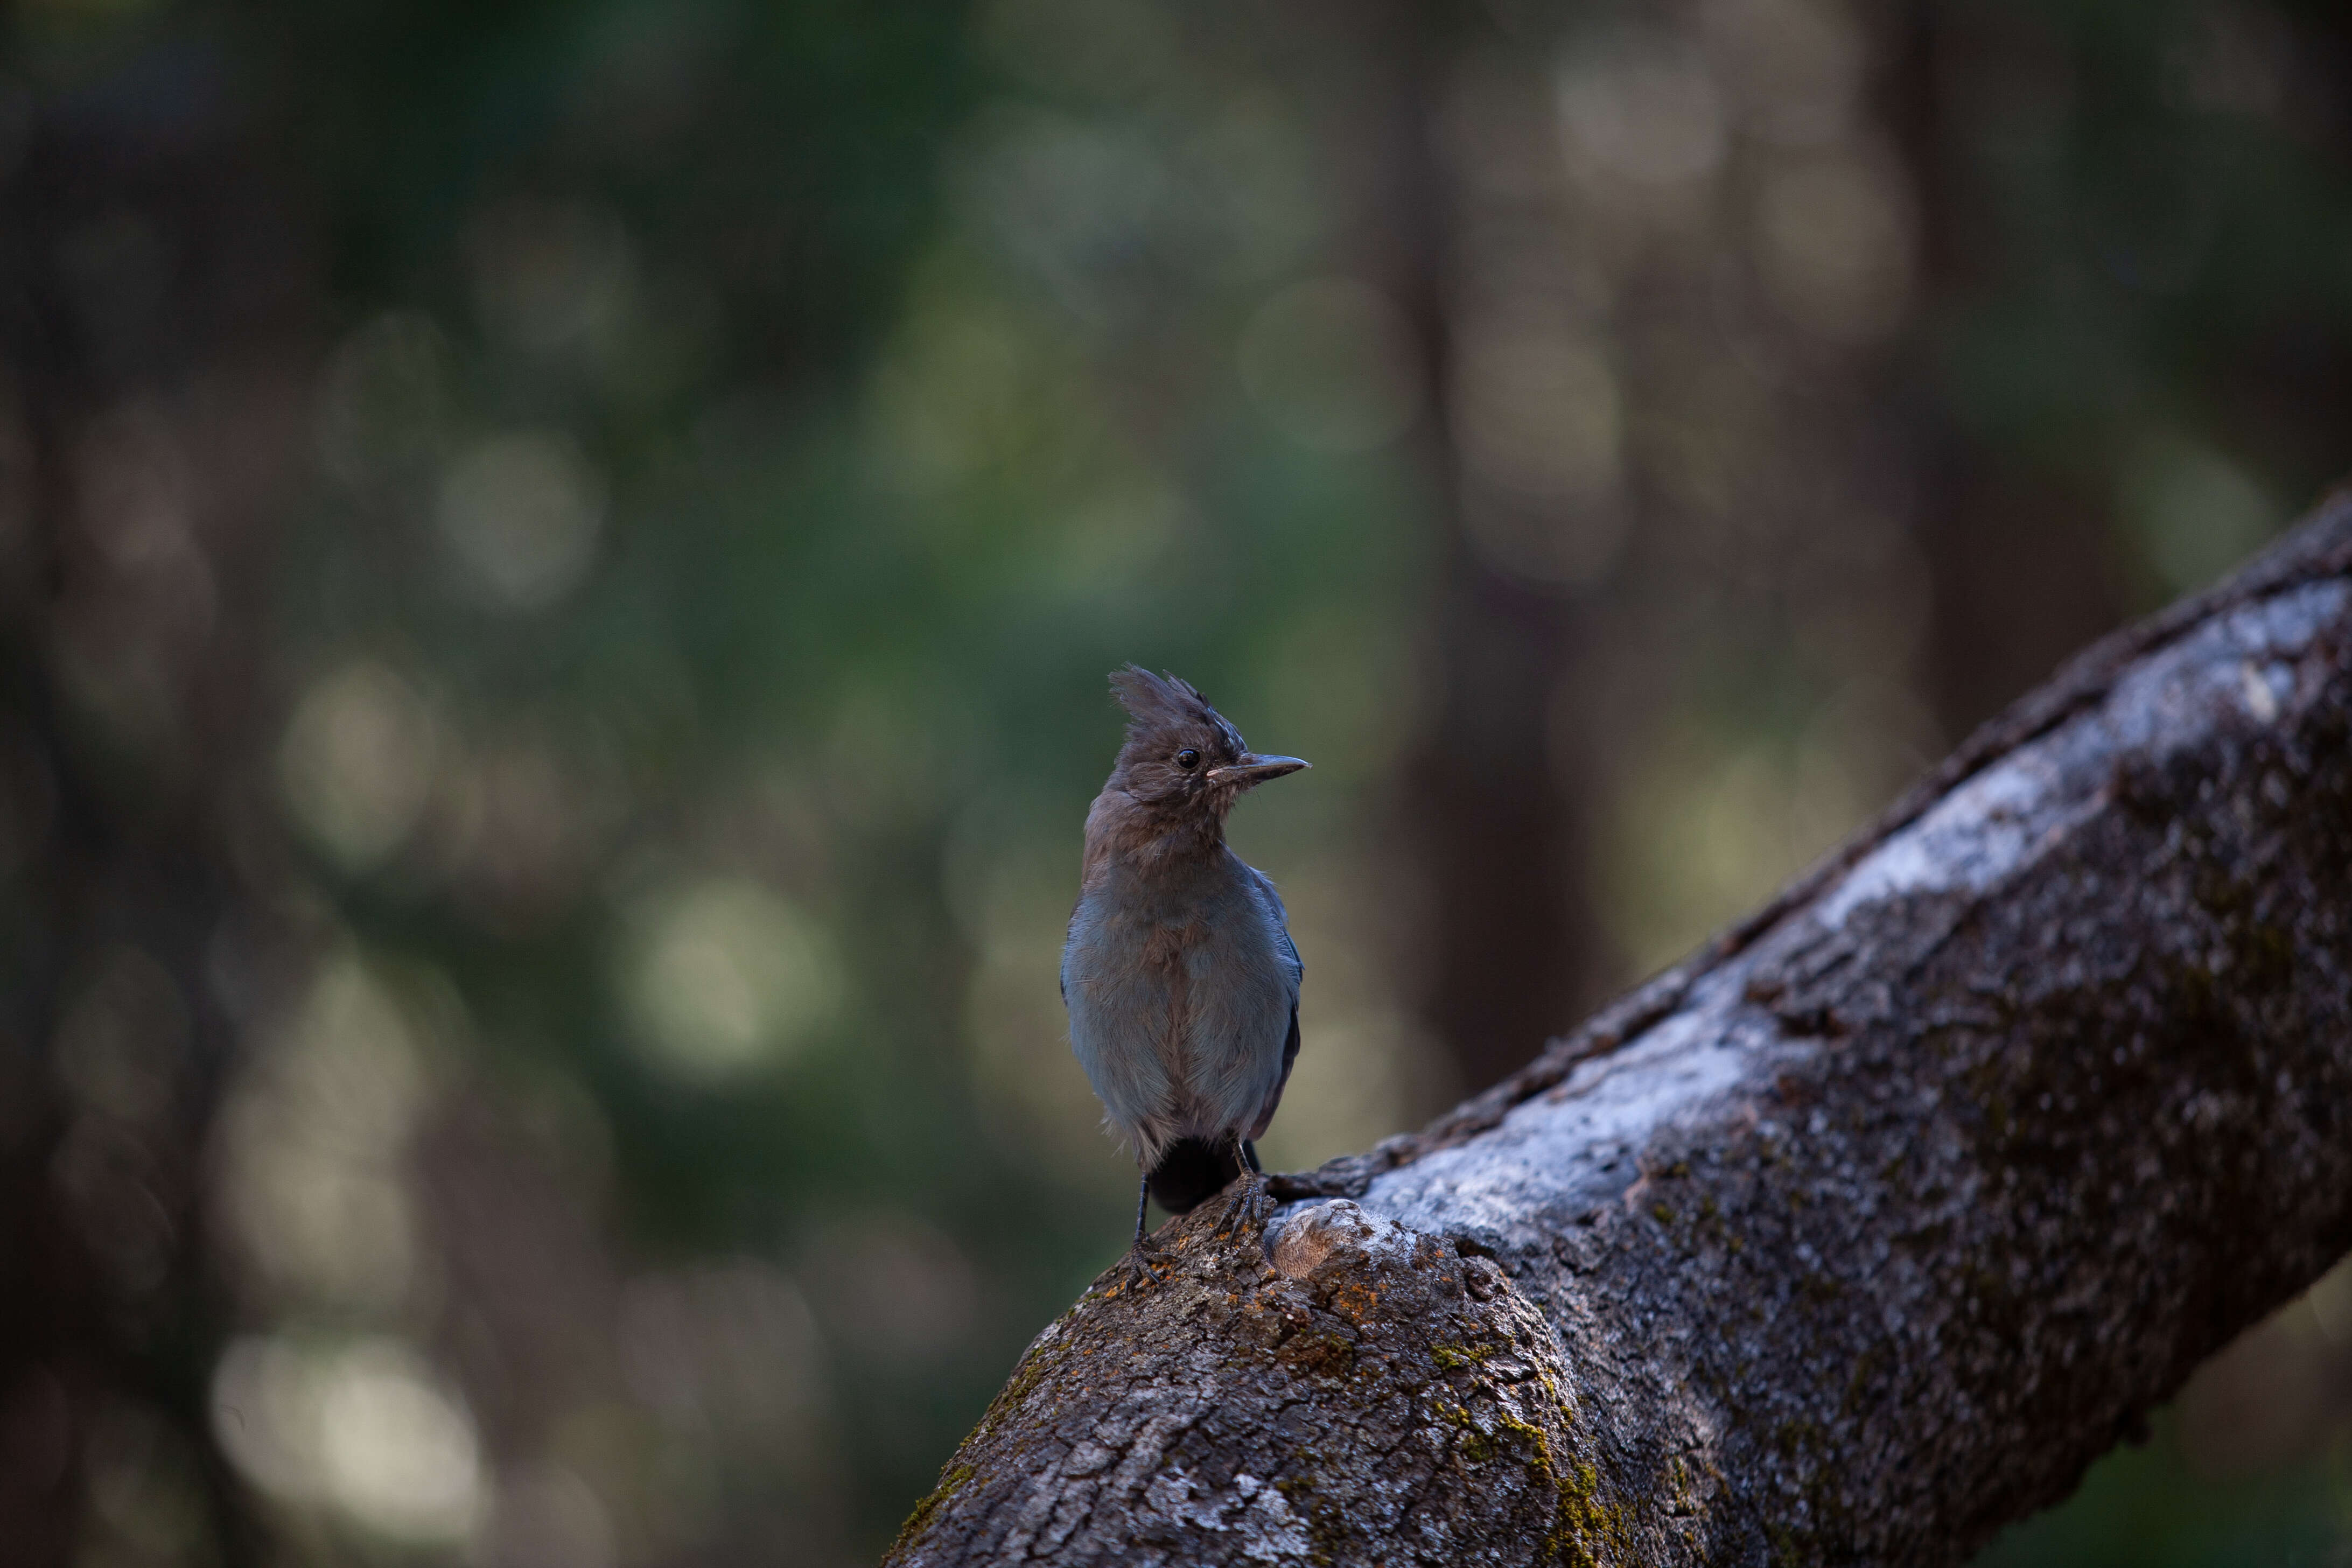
[1142,1267]
[1246,1203]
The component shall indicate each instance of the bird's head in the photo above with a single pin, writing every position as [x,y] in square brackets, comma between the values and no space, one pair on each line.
[1181,758]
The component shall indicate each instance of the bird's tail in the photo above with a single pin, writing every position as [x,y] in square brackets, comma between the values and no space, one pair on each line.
[1190,1172]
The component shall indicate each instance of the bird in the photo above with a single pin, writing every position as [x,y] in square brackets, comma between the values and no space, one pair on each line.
[1179,971]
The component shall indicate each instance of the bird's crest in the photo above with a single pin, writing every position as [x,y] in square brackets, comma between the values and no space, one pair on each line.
[1165,718]
[1159,702]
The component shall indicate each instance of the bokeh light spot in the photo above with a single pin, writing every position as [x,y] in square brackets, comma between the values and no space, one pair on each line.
[387,402]
[357,762]
[368,1428]
[522,514]
[312,1138]
[1835,243]
[2196,512]
[1643,107]
[727,976]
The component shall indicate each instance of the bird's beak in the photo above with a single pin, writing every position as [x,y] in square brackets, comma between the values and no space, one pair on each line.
[1254,769]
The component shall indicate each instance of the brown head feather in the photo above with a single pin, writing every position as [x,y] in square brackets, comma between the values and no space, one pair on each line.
[1166,715]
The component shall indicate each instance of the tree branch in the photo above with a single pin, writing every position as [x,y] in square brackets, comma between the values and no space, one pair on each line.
[1853,1238]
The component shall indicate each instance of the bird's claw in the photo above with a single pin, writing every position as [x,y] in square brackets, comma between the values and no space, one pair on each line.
[1140,1268]
[1246,1203]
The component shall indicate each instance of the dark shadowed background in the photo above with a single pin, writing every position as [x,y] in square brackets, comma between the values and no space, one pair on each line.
[557,567]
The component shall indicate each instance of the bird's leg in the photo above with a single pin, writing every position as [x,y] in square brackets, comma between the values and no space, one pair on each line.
[1135,1270]
[1253,1173]
[1242,1198]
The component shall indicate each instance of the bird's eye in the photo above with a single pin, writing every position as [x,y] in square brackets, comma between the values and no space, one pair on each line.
[1187,759]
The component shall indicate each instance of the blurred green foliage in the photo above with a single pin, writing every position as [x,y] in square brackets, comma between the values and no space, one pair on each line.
[748,437]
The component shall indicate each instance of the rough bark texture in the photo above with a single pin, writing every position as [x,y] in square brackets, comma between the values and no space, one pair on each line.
[1856,1235]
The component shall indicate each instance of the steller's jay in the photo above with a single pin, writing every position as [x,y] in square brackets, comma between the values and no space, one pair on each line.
[1179,974]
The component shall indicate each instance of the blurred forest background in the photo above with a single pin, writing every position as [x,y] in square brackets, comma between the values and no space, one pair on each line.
[557,567]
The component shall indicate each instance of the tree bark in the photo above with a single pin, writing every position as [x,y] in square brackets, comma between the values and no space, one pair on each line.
[1853,1238]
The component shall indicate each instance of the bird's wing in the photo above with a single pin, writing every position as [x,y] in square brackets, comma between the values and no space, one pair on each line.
[1273,902]
[1298,973]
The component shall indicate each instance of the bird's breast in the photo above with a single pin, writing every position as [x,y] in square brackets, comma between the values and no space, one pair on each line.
[1179,997]
[1160,961]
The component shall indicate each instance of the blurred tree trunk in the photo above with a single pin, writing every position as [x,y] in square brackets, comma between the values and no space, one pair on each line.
[1505,943]
[1853,1238]
[2022,570]
[153,314]
[2000,116]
